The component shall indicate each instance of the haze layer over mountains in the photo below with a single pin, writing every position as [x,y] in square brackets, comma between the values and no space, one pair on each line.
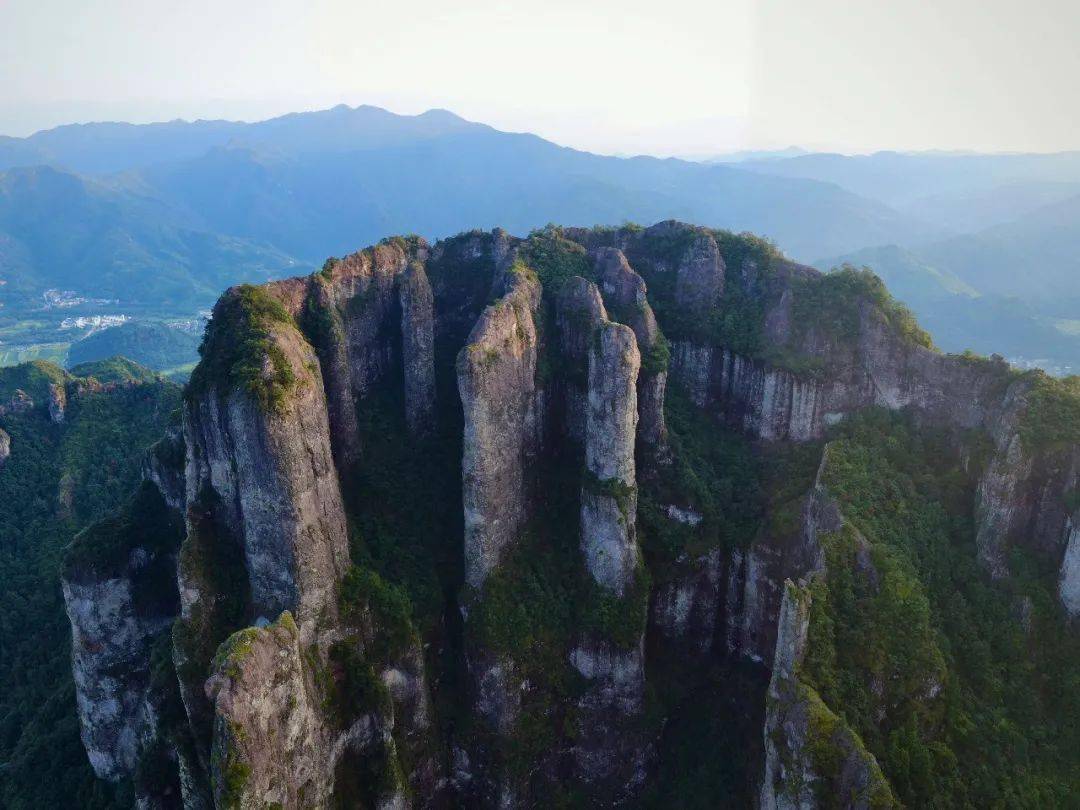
[152,221]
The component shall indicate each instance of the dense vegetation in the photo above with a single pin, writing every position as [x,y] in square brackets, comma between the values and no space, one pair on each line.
[1052,418]
[58,479]
[151,344]
[114,369]
[238,342]
[965,690]
[831,302]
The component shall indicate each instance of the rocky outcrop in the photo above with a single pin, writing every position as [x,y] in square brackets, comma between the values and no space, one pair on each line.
[164,466]
[496,380]
[608,749]
[354,317]
[812,758]
[271,744]
[273,473]
[877,367]
[699,276]
[120,593]
[789,548]
[20,402]
[625,293]
[57,403]
[609,497]
[562,385]
[418,348]
[5,447]
[579,309]
[1022,493]
[1069,578]
[687,608]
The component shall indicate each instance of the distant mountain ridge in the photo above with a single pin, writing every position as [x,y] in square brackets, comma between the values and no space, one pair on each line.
[162,216]
[346,175]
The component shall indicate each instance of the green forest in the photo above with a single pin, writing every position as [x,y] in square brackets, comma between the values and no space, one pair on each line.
[59,479]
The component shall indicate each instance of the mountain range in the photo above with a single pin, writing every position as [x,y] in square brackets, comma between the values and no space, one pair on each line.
[161,216]
[597,517]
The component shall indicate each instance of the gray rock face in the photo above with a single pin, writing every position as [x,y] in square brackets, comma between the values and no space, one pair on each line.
[355,330]
[606,750]
[699,279]
[274,742]
[609,498]
[272,745]
[5,447]
[1020,498]
[57,403]
[792,737]
[687,607]
[879,368]
[1069,580]
[774,558]
[498,692]
[164,466]
[20,402]
[118,600]
[625,292]
[578,311]
[418,347]
[779,791]
[274,473]
[110,662]
[496,380]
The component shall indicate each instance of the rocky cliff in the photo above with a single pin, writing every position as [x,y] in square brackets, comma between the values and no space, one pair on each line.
[562,397]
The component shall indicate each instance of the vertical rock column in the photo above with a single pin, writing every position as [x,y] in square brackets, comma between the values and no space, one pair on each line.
[578,311]
[418,348]
[609,751]
[625,293]
[496,371]
[273,471]
[496,380]
[265,521]
[609,497]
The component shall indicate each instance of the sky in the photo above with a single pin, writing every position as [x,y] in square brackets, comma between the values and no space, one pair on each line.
[667,78]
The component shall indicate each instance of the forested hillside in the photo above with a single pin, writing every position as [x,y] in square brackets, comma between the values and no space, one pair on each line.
[65,467]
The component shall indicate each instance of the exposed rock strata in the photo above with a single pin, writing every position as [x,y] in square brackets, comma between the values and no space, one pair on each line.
[273,743]
[57,402]
[164,466]
[687,608]
[579,310]
[799,728]
[496,380]
[418,348]
[609,498]
[624,291]
[699,277]
[608,750]
[118,605]
[266,523]
[274,475]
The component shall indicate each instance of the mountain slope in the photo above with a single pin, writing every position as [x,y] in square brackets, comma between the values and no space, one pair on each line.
[59,230]
[59,471]
[660,469]
[1036,257]
[900,179]
[310,183]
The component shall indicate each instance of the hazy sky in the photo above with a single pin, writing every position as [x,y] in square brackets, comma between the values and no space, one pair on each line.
[662,76]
